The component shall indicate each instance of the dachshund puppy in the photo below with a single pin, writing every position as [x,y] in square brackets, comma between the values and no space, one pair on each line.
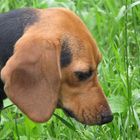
[49,59]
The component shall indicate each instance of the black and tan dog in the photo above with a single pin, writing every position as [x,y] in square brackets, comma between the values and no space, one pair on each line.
[48,59]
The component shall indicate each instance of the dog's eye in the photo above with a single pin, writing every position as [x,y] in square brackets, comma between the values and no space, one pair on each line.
[83,75]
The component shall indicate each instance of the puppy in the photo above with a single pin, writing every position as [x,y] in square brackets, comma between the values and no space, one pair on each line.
[49,59]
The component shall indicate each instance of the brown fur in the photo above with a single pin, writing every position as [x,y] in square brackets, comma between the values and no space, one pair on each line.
[34,80]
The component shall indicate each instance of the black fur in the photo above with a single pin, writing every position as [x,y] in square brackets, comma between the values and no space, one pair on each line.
[2,94]
[66,54]
[12,26]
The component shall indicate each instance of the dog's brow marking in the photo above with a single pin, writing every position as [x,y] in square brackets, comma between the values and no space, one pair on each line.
[66,55]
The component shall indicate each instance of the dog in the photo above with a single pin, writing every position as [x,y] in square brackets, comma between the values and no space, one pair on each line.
[48,60]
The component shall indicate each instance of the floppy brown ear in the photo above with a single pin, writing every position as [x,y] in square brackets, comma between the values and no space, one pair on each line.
[32,78]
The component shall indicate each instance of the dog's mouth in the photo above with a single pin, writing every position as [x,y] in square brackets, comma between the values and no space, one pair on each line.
[99,120]
[69,113]
[89,118]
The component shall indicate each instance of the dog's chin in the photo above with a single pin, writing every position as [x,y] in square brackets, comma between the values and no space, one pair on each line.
[69,113]
[89,121]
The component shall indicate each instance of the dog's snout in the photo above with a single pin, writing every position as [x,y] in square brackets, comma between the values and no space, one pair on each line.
[106,118]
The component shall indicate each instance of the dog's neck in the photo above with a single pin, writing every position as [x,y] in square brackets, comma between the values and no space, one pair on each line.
[2,94]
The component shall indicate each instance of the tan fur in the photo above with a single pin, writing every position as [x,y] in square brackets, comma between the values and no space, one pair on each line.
[34,80]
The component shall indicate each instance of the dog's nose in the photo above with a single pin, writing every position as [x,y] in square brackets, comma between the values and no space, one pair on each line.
[106,119]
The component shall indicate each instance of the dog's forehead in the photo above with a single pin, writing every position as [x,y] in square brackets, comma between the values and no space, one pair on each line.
[76,40]
[76,52]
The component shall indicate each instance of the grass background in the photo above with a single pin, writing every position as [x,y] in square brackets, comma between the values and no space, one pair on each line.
[116,27]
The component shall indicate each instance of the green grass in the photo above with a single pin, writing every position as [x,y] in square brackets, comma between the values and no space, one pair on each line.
[116,27]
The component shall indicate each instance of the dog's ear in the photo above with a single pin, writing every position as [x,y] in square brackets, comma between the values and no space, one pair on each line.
[32,78]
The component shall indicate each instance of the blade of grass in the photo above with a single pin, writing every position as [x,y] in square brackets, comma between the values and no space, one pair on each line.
[65,122]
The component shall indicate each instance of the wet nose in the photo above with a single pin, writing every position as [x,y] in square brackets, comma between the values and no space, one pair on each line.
[106,119]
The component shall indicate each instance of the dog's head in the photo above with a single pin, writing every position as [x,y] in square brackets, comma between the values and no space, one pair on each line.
[55,65]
